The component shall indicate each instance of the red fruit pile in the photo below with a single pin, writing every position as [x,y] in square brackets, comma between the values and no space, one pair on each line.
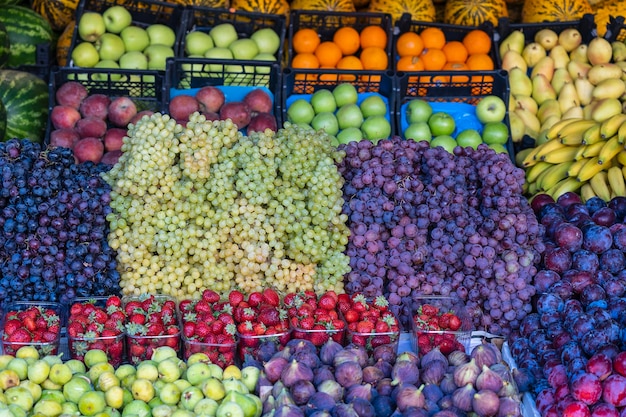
[370,323]
[209,327]
[151,322]
[435,327]
[315,319]
[97,325]
[34,325]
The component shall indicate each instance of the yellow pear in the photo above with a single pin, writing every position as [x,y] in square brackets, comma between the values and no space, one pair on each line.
[549,108]
[513,59]
[544,66]
[579,53]
[526,102]
[622,65]
[606,108]
[561,76]
[578,69]
[600,72]
[542,89]
[619,51]
[532,53]
[599,51]
[547,38]
[575,112]
[570,38]
[518,128]
[530,120]
[513,42]
[584,88]
[549,122]
[609,88]
[519,82]
[560,56]
[568,97]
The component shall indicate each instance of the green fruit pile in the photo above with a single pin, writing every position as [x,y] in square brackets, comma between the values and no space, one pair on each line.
[162,386]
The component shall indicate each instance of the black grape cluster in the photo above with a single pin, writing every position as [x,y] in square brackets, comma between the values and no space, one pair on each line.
[427,222]
[53,228]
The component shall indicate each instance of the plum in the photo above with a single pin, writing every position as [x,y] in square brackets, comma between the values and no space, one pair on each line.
[619,363]
[604,410]
[613,260]
[238,112]
[544,279]
[586,260]
[558,260]
[600,365]
[614,390]
[594,204]
[586,387]
[576,409]
[556,375]
[604,216]
[618,204]
[568,236]
[568,198]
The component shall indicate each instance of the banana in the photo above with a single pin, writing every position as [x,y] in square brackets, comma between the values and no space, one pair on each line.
[593,150]
[581,150]
[586,192]
[591,168]
[592,135]
[553,132]
[531,188]
[621,133]
[534,171]
[549,147]
[573,133]
[616,181]
[530,159]
[600,186]
[621,158]
[568,184]
[609,127]
[553,175]
[576,166]
[558,156]
[610,149]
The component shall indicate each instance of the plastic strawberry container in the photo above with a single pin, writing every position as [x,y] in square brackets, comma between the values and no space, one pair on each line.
[261,347]
[221,354]
[370,341]
[320,336]
[44,348]
[444,339]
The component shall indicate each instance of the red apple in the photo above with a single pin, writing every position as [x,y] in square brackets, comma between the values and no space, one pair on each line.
[65,138]
[262,121]
[64,117]
[238,112]
[141,114]
[258,101]
[111,157]
[71,93]
[121,111]
[96,105]
[114,139]
[89,149]
[182,106]
[211,115]
[210,99]
[91,127]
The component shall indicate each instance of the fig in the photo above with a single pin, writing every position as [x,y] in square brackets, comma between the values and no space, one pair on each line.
[274,368]
[432,355]
[409,396]
[277,388]
[524,379]
[445,402]
[269,404]
[405,371]
[348,374]
[384,387]
[408,356]
[432,392]
[319,413]
[415,412]
[384,405]
[359,391]
[466,373]
[320,401]
[508,390]
[384,366]
[485,403]
[301,391]
[307,358]
[458,357]
[323,373]
[361,354]
[503,370]
[433,371]
[329,350]
[284,398]
[509,407]
[448,413]
[485,353]
[332,388]
[294,372]
[345,355]
[363,407]
[301,345]
[344,410]
[372,374]
[385,352]
[288,410]
[462,397]
[488,380]
[447,384]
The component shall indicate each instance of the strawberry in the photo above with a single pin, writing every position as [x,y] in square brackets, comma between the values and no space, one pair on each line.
[351,316]
[11,326]
[210,296]
[235,297]
[271,297]
[189,329]
[455,323]
[113,300]
[269,316]
[327,302]
[307,323]
[255,299]
[364,327]
[20,336]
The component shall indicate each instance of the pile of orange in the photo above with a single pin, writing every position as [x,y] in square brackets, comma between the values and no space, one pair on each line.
[349,49]
[431,51]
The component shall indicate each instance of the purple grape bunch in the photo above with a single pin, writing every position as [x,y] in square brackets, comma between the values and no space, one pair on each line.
[424,221]
[53,227]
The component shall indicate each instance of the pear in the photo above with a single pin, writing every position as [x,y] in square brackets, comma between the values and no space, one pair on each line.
[514,42]
[530,120]
[548,109]
[547,38]
[587,110]
[532,53]
[560,56]
[584,88]
[542,89]
[518,128]
[561,76]
[579,53]
[542,137]
[549,122]
[606,108]
[519,82]
[619,51]
[573,113]
[609,88]
[544,66]
[578,69]
[568,97]
[513,59]
[601,72]
[622,65]
[570,38]
[526,102]
[599,51]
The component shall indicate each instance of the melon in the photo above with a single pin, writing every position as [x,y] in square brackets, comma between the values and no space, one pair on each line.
[324,5]
[280,7]
[24,98]
[535,11]
[422,10]
[57,12]
[474,12]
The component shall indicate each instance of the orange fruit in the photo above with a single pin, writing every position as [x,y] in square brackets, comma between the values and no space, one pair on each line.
[434,59]
[433,37]
[479,62]
[409,43]
[455,51]
[347,39]
[305,60]
[477,42]
[305,41]
[453,66]
[373,36]
[328,76]
[410,63]
[349,62]
[374,58]
[328,54]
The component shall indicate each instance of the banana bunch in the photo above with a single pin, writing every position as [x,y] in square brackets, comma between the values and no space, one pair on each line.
[579,155]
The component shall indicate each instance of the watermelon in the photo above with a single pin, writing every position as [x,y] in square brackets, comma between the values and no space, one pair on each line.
[26,30]
[4,46]
[25,100]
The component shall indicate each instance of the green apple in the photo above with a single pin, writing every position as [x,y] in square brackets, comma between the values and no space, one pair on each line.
[206,406]
[110,46]
[19,366]
[114,397]
[198,42]
[441,123]
[147,370]
[53,395]
[250,376]
[76,387]
[135,38]
[26,352]
[373,105]
[134,60]
[38,371]
[98,369]
[85,55]
[142,389]
[495,133]
[60,373]
[190,397]
[170,394]
[136,408]
[418,131]
[267,40]
[157,54]
[91,403]
[35,389]
[349,115]
[169,371]
[300,112]
[91,26]
[223,34]
[20,397]
[499,148]
[218,53]
[445,141]
[104,76]
[244,48]
[327,122]
[116,18]
[349,135]
[469,138]
[345,93]
[491,109]
[48,408]
[197,372]
[323,100]
[418,110]
[376,128]
[161,34]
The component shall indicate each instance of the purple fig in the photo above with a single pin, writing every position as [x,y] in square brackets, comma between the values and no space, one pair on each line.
[345,355]
[359,391]
[383,405]
[348,374]
[503,371]
[385,352]
[307,357]
[409,396]
[448,413]
[295,372]
[266,351]
[405,371]
[363,407]
[329,350]
[447,384]
[282,353]
[458,357]
[462,397]
[385,367]
[372,374]
[361,354]
[319,413]
[274,367]
[301,391]
[408,356]
[299,345]
[284,398]
[509,407]
[433,371]
[321,401]
[264,386]
[524,378]
[466,373]
[433,355]
[332,388]
[415,412]
[277,388]
[486,353]
[445,402]
[269,404]
[508,390]
[323,373]
[344,410]
[384,387]
[488,380]
[289,410]
[432,392]
[486,403]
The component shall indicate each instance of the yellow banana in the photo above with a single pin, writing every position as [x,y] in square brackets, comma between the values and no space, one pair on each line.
[592,135]
[553,132]
[616,181]
[599,184]
[586,192]
[593,150]
[576,166]
[609,127]
[621,133]
[553,175]
[560,155]
[610,149]
[591,168]
[573,132]
[549,147]
[530,159]
[581,150]
[565,185]
[534,171]
[621,157]
[531,188]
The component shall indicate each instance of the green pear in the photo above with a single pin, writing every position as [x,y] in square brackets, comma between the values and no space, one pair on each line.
[570,38]
[542,89]
[520,83]
[513,42]
[547,38]
[560,56]
[619,51]
[599,51]
[532,53]
[579,54]
[560,77]
[512,59]
[544,66]
[548,109]
[568,97]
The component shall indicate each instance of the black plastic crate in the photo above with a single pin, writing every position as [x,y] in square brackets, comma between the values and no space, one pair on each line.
[144,13]
[43,62]
[327,23]
[467,87]
[245,23]
[616,29]
[296,85]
